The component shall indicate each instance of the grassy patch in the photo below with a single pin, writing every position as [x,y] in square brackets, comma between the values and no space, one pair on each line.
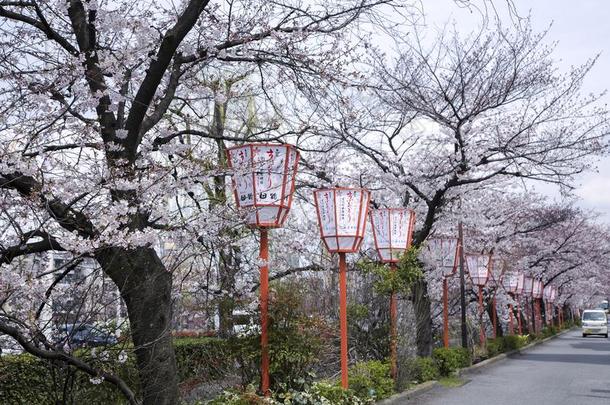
[451,382]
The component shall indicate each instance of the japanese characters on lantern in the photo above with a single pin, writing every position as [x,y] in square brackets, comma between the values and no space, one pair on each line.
[392,230]
[478,268]
[342,216]
[263,181]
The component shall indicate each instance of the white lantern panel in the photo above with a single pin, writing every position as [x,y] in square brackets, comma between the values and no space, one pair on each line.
[537,289]
[342,217]
[528,285]
[240,160]
[521,281]
[349,214]
[478,268]
[263,178]
[442,253]
[391,231]
[511,283]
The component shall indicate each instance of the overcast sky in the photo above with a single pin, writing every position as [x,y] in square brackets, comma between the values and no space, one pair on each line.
[582,30]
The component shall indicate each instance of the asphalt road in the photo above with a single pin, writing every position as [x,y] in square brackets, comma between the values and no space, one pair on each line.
[568,370]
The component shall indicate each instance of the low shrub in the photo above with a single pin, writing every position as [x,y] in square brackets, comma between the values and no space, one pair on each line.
[371,379]
[450,359]
[422,369]
[320,393]
[495,346]
[514,342]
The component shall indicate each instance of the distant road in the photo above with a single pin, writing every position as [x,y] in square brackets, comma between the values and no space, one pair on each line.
[569,370]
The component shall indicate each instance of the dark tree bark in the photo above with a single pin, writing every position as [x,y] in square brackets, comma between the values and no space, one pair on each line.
[145,286]
[423,317]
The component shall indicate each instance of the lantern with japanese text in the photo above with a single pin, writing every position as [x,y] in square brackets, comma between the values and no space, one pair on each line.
[342,214]
[263,185]
[537,294]
[392,233]
[512,283]
[263,181]
[528,287]
[445,254]
[478,268]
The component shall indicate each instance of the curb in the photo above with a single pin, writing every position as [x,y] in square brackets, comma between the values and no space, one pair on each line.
[503,356]
[416,390]
[428,385]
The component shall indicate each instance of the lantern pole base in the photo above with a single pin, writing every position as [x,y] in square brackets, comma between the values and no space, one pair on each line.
[264,307]
[343,317]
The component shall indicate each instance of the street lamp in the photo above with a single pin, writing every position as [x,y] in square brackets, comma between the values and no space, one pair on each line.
[392,233]
[528,285]
[445,252]
[520,283]
[537,292]
[478,269]
[263,184]
[342,216]
[511,285]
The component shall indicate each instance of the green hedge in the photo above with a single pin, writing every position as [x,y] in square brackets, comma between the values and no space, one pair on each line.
[25,379]
[450,359]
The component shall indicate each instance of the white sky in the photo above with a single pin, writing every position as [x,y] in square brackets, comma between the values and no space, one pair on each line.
[582,30]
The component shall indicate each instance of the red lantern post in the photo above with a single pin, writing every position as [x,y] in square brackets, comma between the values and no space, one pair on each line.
[511,284]
[445,253]
[392,233]
[478,269]
[528,286]
[342,216]
[537,295]
[520,283]
[263,183]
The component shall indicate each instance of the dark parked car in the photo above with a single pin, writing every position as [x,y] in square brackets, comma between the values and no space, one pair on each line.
[81,335]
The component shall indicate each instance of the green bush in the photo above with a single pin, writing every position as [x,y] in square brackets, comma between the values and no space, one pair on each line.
[320,393]
[295,342]
[422,369]
[514,342]
[450,359]
[207,358]
[371,379]
[495,346]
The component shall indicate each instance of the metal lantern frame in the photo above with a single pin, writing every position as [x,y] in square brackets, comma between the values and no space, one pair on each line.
[383,225]
[327,220]
[275,167]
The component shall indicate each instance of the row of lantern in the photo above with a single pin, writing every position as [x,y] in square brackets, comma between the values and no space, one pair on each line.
[446,254]
[264,183]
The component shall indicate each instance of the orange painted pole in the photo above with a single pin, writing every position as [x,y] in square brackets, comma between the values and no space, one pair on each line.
[519,317]
[482,333]
[511,327]
[445,312]
[264,306]
[343,317]
[393,332]
[494,316]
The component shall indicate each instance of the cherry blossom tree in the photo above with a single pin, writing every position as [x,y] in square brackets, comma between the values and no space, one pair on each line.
[99,102]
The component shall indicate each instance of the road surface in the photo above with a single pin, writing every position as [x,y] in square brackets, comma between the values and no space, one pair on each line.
[568,370]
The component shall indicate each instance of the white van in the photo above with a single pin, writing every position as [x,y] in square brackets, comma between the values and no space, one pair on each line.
[594,322]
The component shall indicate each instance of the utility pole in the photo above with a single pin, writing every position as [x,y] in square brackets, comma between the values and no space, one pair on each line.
[462,286]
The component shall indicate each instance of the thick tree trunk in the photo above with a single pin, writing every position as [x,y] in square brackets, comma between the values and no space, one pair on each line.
[145,286]
[423,318]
